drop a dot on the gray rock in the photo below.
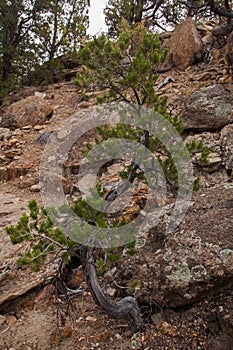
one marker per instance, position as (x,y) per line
(208,108)
(35,188)
(8,121)
(4,133)
(181,268)
(227,146)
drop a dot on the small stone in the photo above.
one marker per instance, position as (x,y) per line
(11,320)
(13,141)
(111,291)
(40,94)
(111,272)
(38,127)
(118,336)
(91,319)
(2,320)
(27,127)
(4,133)
(35,188)
(66,332)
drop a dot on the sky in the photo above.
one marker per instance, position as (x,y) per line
(97,23)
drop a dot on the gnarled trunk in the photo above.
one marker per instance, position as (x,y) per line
(126,308)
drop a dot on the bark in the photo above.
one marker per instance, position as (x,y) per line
(6,66)
(127,308)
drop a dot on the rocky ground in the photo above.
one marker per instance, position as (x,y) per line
(185,280)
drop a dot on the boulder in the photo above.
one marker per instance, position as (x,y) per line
(181,268)
(32,110)
(208,108)
(184,45)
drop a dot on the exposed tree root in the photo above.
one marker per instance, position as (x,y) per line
(126,308)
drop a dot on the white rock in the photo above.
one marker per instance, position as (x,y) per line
(40,94)
(111,291)
(36,188)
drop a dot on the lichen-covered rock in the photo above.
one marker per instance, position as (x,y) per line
(208,108)
(182,268)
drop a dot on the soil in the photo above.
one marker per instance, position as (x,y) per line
(31,323)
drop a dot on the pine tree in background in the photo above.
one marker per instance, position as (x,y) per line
(34,31)
(127,66)
(62,27)
(159,14)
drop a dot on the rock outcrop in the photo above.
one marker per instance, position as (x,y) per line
(208,108)
(195,262)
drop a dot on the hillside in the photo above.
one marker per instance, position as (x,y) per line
(186,279)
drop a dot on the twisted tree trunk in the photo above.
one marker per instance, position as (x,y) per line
(126,308)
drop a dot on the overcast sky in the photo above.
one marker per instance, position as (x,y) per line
(97,22)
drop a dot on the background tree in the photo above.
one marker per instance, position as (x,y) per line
(16,21)
(127,66)
(62,27)
(158,14)
(34,31)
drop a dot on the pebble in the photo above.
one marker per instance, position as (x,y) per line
(27,127)
(118,336)
(38,127)
(4,133)
(111,291)
(91,319)
(40,94)
(13,141)
(11,320)
(35,188)
(2,320)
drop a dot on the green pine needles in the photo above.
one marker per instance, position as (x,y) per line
(127,70)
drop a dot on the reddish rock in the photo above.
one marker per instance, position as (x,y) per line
(29,111)
(184,45)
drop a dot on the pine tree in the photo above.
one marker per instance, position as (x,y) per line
(34,31)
